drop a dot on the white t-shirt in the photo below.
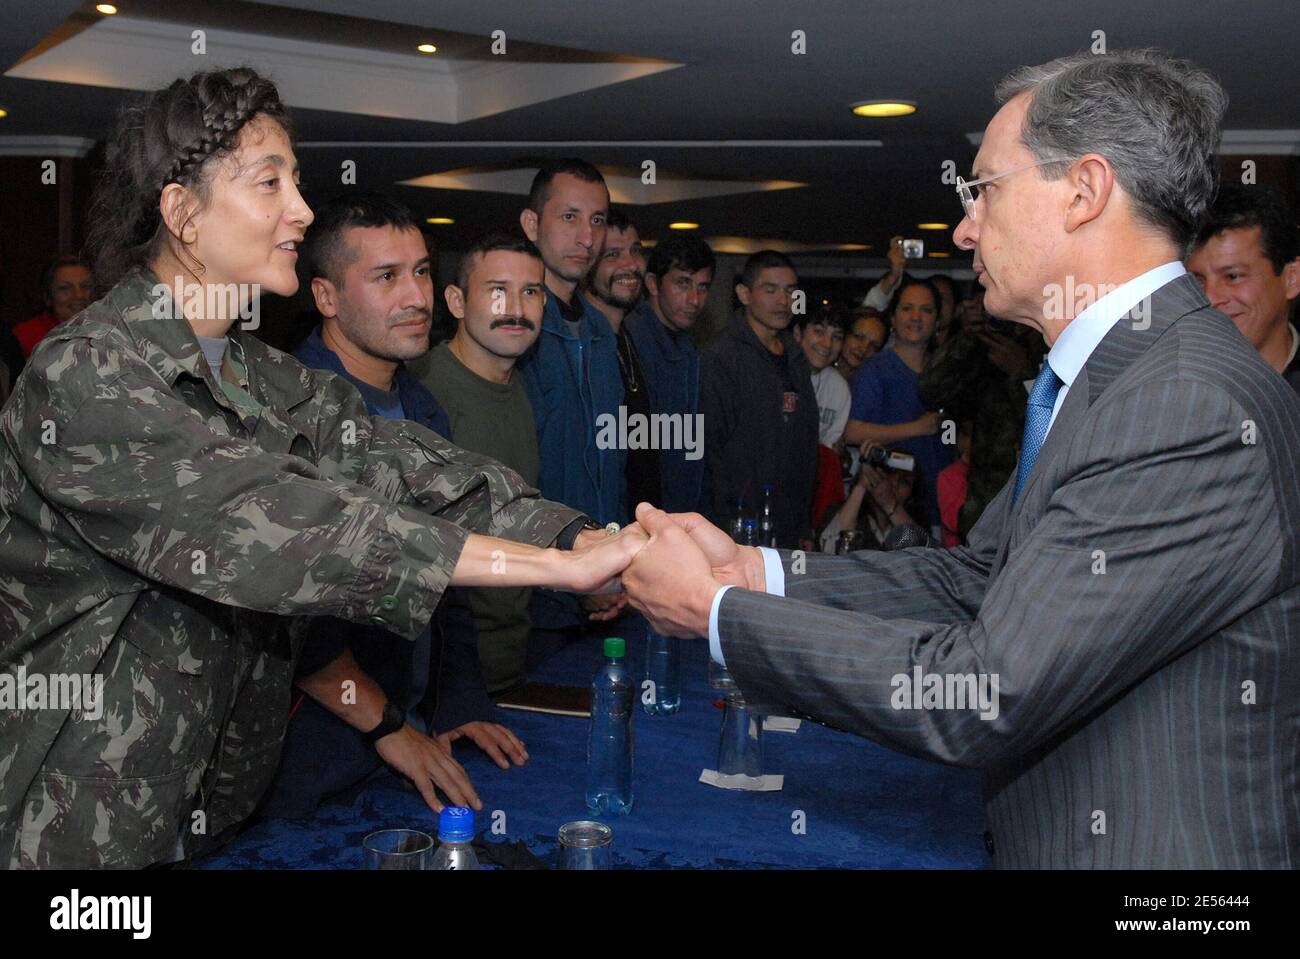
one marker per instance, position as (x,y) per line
(833,403)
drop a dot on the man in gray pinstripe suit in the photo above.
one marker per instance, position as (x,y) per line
(1131,598)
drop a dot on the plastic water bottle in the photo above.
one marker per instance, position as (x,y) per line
(609,744)
(661,695)
(455,833)
(749,536)
(767,519)
(737,529)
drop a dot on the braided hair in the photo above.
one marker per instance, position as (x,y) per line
(169,136)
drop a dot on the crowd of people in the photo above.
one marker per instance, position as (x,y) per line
(827,428)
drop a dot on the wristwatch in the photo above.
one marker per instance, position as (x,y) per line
(393,720)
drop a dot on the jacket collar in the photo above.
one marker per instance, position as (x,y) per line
(1128,339)
(592,322)
(739,329)
(168,344)
(417,402)
(675,345)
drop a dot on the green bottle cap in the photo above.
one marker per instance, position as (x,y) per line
(615,648)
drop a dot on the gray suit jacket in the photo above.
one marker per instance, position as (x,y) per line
(1139,604)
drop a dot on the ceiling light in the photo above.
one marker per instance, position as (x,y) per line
(683,225)
(941,255)
(427,48)
(107,9)
(932,226)
(440,220)
(884,108)
(3,113)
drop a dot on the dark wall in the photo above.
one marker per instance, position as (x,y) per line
(38,222)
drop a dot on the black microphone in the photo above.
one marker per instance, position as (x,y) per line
(905,535)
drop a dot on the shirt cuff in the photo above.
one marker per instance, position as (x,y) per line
(715,641)
(773,571)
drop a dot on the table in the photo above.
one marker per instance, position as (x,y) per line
(862,805)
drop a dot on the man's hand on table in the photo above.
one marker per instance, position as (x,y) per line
(427,763)
(503,746)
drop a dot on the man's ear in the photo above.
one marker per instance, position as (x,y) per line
(455,298)
(325,295)
(528,220)
(742,294)
(177,205)
(1092,179)
(652,284)
(1291,279)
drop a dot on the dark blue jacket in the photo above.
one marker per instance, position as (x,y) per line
(572,380)
(452,651)
(671,365)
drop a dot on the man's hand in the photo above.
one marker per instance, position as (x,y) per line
(602,608)
(426,763)
(493,738)
(896,260)
(670,580)
(732,565)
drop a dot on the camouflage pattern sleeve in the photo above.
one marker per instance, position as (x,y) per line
(152,484)
(407,463)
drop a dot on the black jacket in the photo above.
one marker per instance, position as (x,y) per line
(749,438)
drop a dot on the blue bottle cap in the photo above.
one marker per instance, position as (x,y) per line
(456,823)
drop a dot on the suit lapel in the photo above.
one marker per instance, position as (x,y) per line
(1130,337)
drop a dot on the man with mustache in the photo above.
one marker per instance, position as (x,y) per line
(373,285)
(614,287)
(571,374)
(497,300)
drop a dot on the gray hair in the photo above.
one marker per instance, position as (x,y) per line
(1156,119)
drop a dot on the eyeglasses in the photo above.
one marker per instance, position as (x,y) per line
(970,194)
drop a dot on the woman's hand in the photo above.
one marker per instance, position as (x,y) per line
(927,424)
(878,487)
(596,568)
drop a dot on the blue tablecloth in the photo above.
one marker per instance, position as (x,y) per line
(862,806)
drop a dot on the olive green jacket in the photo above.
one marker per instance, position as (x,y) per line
(166,533)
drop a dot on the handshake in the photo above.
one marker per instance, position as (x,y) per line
(670,565)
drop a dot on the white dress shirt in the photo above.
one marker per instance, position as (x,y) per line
(1068,355)
(1078,340)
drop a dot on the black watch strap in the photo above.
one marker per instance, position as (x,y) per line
(394,719)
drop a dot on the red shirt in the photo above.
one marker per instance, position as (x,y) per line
(30,332)
(952,494)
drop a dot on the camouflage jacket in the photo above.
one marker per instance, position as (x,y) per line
(169,533)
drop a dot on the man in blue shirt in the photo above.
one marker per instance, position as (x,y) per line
(572,373)
(373,696)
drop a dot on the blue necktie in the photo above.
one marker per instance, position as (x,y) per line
(1038,416)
